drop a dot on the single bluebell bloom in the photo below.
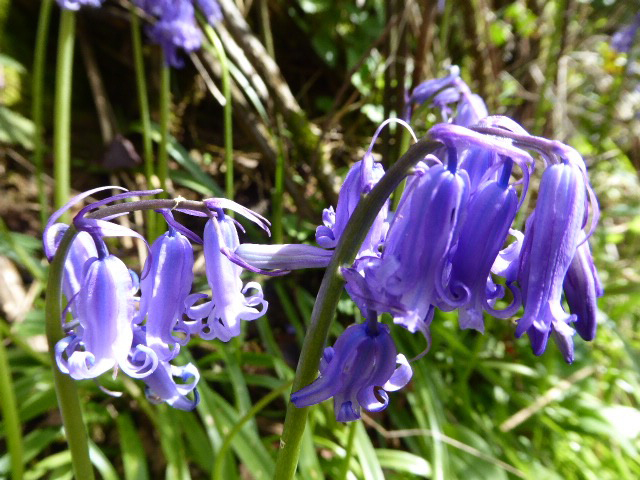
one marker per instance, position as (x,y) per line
(549,247)
(622,39)
(424,228)
(161,386)
(490,214)
(357,372)
(582,288)
(104,308)
(164,291)
(229,304)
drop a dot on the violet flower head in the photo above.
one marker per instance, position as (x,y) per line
(163,387)
(421,234)
(622,39)
(357,372)
(77,4)
(490,213)
(547,254)
(582,288)
(229,303)
(176,29)
(360,180)
(164,291)
(104,307)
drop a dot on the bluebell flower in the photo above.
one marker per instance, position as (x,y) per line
(490,214)
(448,93)
(622,39)
(164,291)
(176,28)
(549,248)
(424,228)
(357,372)
(76,4)
(104,307)
(582,288)
(229,303)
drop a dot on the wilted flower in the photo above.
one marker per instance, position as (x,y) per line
(357,372)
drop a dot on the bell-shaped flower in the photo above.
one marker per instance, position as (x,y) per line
(357,372)
(164,291)
(82,249)
(229,304)
(424,228)
(161,386)
(549,248)
(489,216)
(360,180)
(582,287)
(104,308)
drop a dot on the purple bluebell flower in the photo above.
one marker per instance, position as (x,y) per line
(176,28)
(549,247)
(489,215)
(82,249)
(421,234)
(76,4)
(445,92)
(104,307)
(357,372)
(164,291)
(360,180)
(161,386)
(229,304)
(622,39)
(582,287)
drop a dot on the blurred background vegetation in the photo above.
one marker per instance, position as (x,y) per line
(309,99)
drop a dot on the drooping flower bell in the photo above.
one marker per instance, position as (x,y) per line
(582,288)
(490,214)
(547,254)
(164,291)
(229,303)
(176,27)
(357,372)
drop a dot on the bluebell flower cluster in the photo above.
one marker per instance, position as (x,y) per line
(451,244)
(176,28)
(137,325)
(622,40)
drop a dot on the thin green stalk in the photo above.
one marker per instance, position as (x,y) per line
(278,193)
(347,459)
(165,107)
(228,112)
(145,118)
(62,109)
(37,109)
(328,296)
(66,391)
(13,431)
(224,448)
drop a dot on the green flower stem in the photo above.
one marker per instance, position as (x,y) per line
(224,448)
(12,427)
(228,112)
(62,108)
(66,391)
(37,109)
(165,107)
(349,448)
(145,118)
(328,296)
